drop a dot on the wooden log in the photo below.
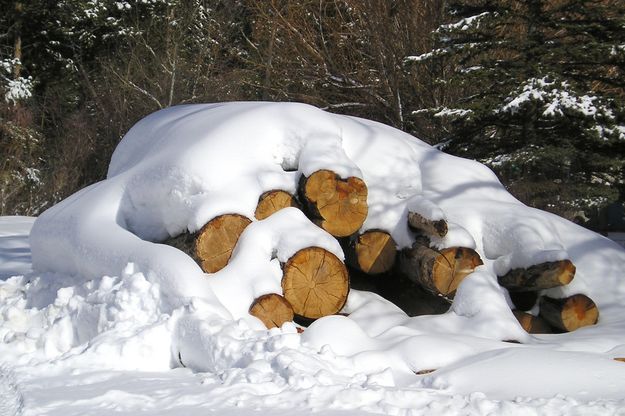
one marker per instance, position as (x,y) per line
(372,252)
(538,277)
(315,282)
(524,301)
(532,324)
(621,359)
(337,205)
(427,226)
(438,271)
(216,240)
(272,309)
(273,201)
(570,313)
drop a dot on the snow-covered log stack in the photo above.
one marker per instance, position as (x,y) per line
(365,202)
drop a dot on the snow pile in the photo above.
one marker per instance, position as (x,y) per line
(106,294)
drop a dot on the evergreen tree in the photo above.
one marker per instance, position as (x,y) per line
(541,97)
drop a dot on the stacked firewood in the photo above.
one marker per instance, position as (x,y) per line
(419,279)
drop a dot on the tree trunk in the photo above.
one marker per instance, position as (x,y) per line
(17,39)
(532,324)
(429,227)
(372,252)
(570,313)
(273,201)
(272,309)
(539,277)
(438,271)
(315,282)
(337,205)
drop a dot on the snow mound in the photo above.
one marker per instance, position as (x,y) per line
(105,293)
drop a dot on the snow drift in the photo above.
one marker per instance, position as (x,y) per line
(104,287)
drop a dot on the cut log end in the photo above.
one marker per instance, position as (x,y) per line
(570,313)
(273,310)
(539,277)
(532,324)
(440,272)
(273,201)
(452,266)
(217,239)
(340,205)
(374,252)
(315,282)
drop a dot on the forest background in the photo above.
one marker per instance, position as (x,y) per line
(534,89)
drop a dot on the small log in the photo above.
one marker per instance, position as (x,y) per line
(272,309)
(524,301)
(427,226)
(273,201)
(337,205)
(372,252)
(621,359)
(315,282)
(438,271)
(538,277)
(532,324)
(570,313)
(216,240)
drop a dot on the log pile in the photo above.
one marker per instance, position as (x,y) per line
(419,279)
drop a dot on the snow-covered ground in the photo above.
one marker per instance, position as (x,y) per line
(107,320)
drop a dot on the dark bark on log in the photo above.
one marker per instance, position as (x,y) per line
(539,277)
(570,313)
(427,226)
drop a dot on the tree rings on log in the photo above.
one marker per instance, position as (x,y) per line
(570,313)
(532,324)
(538,277)
(273,201)
(372,252)
(429,227)
(315,282)
(338,205)
(439,271)
(272,309)
(217,239)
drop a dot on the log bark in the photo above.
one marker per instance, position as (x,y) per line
(372,252)
(337,205)
(524,301)
(216,240)
(315,282)
(272,309)
(570,313)
(532,324)
(427,226)
(273,201)
(438,271)
(538,277)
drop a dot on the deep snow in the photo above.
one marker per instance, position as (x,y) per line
(111,311)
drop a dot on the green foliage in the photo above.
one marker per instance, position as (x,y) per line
(542,94)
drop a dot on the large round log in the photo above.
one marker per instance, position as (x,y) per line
(315,282)
(216,240)
(532,324)
(272,309)
(540,276)
(337,205)
(372,252)
(570,313)
(273,201)
(439,271)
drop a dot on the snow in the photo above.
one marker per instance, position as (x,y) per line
(111,321)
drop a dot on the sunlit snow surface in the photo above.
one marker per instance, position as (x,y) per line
(110,321)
